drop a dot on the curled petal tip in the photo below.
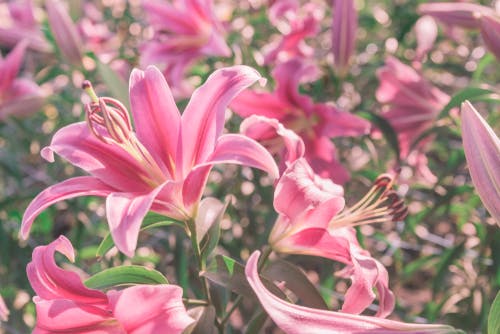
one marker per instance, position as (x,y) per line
(47,154)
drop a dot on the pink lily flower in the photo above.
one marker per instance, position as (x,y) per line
(184,31)
(65,32)
(164,165)
(469,16)
(314,122)
(4,311)
(295,23)
(411,107)
(426,32)
(313,221)
(64,304)
(18,96)
(296,319)
(482,151)
(18,23)
(344,27)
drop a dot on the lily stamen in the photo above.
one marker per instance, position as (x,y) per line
(381,204)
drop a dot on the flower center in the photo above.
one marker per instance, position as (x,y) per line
(381,204)
(109,121)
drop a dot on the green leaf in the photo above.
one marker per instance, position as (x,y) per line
(151,220)
(297,281)
(124,275)
(447,258)
(386,128)
(211,238)
(205,320)
(256,323)
(227,272)
(494,316)
(469,93)
(115,84)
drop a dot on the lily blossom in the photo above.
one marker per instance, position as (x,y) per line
(162,166)
(344,28)
(426,32)
(468,16)
(296,319)
(18,23)
(314,122)
(18,96)
(411,105)
(184,31)
(295,23)
(482,151)
(313,221)
(64,304)
(4,311)
(65,31)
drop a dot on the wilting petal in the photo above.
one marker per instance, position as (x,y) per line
(156,117)
(109,163)
(482,150)
(161,311)
(426,32)
(455,13)
(295,319)
(125,212)
(64,30)
(74,187)
(51,282)
(490,31)
(68,316)
(203,119)
(242,150)
(4,311)
(9,67)
(344,27)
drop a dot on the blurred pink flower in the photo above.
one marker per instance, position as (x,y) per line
(426,32)
(411,107)
(482,150)
(18,96)
(313,220)
(18,23)
(184,31)
(4,311)
(314,122)
(295,23)
(296,319)
(163,166)
(64,304)
(65,32)
(344,28)
(469,16)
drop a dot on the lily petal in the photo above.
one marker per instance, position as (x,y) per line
(68,316)
(125,212)
(165,312)
(203,119)
(109,163)
(51,282)
(460,14)
(482,151)
(156,117)
(490,31)
(295,319)
(4,311)
(11,65)
(74,187)
(242,150)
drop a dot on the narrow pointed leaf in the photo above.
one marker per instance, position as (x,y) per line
(494,316)
(124,275)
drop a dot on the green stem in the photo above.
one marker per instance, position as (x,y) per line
(189,301)
(263,259)
(191,224)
